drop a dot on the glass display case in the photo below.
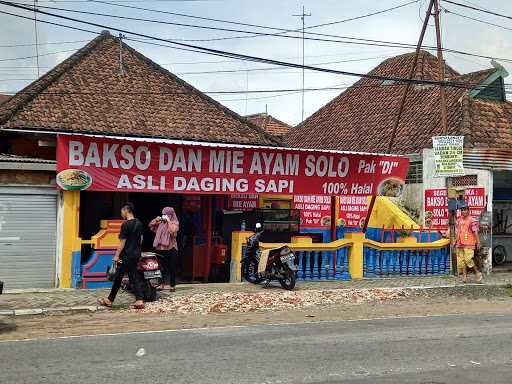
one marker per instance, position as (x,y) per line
(279,225)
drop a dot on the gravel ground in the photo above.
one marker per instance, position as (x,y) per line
(279,300)
(406,303)
(470,292)
(217,302)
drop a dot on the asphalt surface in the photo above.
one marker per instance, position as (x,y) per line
(428,350)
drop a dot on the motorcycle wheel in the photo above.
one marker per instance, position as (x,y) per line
(250,272)
(149,292)
(499,254)
(289,282)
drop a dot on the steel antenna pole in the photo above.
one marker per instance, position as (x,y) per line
(303,19)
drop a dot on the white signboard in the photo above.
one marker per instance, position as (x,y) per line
(448,155)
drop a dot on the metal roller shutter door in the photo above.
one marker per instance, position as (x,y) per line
(27,240)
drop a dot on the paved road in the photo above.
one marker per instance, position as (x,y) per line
(440,349)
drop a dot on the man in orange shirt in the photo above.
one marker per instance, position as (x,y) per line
(467,241)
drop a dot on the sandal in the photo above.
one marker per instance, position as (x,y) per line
(137,306)
(103,302)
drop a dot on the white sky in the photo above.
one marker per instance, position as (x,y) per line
(401,25)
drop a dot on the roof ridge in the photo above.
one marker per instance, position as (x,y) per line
(257,114)
(279,121)
(465,131)
(31,91)
(481,71)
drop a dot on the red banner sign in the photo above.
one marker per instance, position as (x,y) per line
(315,210)
(101,164)
(436,208)
(436,205)
(353,211)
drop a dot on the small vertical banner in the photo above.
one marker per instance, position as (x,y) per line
(448,155)
(353,211)
(315,210)
(436,208)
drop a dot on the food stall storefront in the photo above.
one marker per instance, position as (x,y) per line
(107,103)
(213,187)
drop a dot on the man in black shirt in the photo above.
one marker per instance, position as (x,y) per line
(127,255)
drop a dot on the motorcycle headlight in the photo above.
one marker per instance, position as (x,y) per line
(285,251)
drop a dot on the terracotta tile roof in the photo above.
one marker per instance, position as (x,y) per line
(269,123)
(86,94)
(362,117)
(476,77)
(490,123)
(7,157)
(4,98)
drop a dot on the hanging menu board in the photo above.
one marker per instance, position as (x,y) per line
(243,202)
(448,155)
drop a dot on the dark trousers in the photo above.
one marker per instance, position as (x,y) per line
(129,265)
(169,265)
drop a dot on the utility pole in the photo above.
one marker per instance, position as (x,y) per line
(444,125)
(412,71)
(440,63)
(36,39)
(303,16)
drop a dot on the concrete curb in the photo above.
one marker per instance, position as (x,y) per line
(50,311)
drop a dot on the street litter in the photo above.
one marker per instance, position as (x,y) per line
(141,352)
(217,302)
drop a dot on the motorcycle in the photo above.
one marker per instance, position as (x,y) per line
(264,266)
(149,269)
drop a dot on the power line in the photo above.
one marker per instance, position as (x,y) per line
(447,11)
(283,30)
(124,1)
(34,56)
(217,52)
(231,92)
(216,61)
(352,40)
(222,71)
(271,68)
(358,41)
(5,80)
(251,33)
(256,34)
(39,44)
(478,9)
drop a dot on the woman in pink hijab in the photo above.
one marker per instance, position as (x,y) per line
(166,229)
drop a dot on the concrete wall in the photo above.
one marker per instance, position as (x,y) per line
(485,177)
(26,177)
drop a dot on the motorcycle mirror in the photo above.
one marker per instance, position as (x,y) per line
(258,227)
